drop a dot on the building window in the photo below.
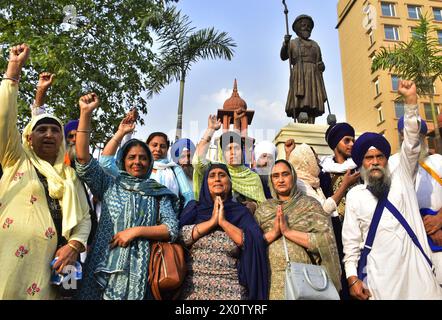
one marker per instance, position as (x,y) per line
(388,9)
(427,111)
(437,12)
(414,12)
(380,115)
(398,109)
(377,89)
(394,82)
(371,37)
(391,32)
(439,36)
(413,32)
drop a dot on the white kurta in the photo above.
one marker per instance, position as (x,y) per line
(396,269)
(429,195)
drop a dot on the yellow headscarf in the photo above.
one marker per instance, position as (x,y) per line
(63,183)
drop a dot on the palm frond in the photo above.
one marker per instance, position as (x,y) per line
(419,60)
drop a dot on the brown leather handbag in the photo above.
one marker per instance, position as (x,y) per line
(167,270)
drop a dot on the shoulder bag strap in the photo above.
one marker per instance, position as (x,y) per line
(287,258)
(362,272)
(407,228)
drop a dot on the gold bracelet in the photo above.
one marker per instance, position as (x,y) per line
(85,131)
(73,247)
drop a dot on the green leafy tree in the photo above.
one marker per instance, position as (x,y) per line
(95,45)
(182,46)
(419,60)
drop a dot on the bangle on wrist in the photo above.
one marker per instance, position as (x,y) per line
(85,131)
(353,283)
(5,77)
(207,138)
(118,141)
(74,247)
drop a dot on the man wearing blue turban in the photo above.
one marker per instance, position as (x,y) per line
(336,178)
(382,217)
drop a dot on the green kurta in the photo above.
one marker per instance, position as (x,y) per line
(303,214)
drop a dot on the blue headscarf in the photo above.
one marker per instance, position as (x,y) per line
(252,266)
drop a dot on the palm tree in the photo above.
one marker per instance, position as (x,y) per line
(181,46)
(419,60)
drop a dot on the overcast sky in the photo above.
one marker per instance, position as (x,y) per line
(258,28)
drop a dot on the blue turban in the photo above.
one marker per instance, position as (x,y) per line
(71,125)
(367,140)
(423,130)
(336,132)
(178,147)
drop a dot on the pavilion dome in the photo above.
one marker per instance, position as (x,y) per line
(235,101)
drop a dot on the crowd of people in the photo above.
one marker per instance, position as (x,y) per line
(371,220)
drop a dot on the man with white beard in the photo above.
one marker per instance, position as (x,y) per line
(70,134)
(428,186)
(382,219)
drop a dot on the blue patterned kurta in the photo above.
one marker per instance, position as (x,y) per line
(121,273)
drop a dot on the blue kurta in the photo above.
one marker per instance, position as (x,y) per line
(122,273)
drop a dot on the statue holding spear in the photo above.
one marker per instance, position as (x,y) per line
(307,95)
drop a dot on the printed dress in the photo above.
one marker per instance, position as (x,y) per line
(212,268)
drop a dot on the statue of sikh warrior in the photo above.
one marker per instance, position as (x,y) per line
(307,90)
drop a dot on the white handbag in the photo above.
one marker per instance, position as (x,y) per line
(307,281)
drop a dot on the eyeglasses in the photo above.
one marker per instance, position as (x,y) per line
(349,140)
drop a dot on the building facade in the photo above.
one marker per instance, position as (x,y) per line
(364,26)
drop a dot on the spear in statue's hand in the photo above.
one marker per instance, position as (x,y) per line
(287,35)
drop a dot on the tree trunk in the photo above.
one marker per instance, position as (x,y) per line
(437,140)
(179,123)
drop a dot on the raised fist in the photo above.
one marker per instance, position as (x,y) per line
(45,80)
(89,102)
(17,58)
(131,116)
(408,90)
(289,146)
(19,54)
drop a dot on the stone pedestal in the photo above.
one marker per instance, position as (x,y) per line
(312,134)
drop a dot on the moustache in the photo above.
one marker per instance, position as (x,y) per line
(372,168)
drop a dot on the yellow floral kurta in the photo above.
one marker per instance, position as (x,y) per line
(28,238)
